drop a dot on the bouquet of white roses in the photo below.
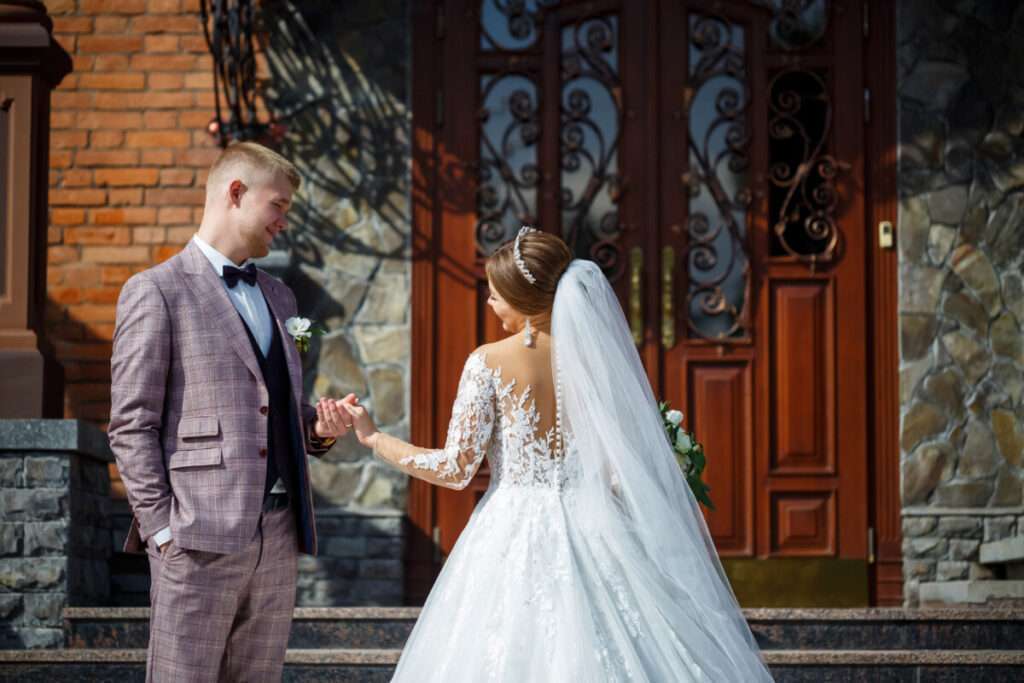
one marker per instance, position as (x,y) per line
(689,453)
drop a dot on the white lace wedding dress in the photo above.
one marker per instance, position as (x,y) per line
(587,559)
(515,602)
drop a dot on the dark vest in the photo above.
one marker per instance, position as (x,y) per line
(281,460)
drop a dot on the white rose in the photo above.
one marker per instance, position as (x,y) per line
(298,327)
(683,441)
(674,416)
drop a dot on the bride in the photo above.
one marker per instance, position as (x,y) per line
(587,559)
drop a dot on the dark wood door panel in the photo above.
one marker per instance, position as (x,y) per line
(802,410)
(720,411)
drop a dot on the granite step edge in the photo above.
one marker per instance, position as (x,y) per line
(327,657)
(873,614)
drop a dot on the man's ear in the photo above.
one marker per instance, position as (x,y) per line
(235,191)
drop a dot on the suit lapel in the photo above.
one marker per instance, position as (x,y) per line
(217,307)
(275,302)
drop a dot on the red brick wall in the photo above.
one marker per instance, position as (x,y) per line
(128,159)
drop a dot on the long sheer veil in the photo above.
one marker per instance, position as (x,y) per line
(665,602)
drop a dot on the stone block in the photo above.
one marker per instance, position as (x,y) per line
(10,605)
(920,570)
(960,527)
(35,575)
(45,609)
(375,592)
(951,571)
(55,435)
(46,539)
(382,526)
(938,594)
(47,471)
(11,539)
(345,547)
(998,527)
(918,526)
(380,569)
(979,572)
(1004,551)
(31,638)
(33,504)
(927,547)
(11,471)
(383,547)
(966,494)
(963,549)
(923,471)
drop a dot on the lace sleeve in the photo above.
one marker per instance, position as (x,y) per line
(469,434)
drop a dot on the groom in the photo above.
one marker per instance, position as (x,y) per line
(210,433)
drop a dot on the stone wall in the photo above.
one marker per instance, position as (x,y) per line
(961,239)
(55,539)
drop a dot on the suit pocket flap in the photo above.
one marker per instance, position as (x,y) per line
(192,427)
(200,457)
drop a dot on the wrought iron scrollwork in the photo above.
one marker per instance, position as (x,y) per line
(804,196)
(796,24)
(717,257)
(508,174)
(511,24)
(591,124)
(228,27)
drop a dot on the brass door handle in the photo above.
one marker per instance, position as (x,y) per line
(668,316)
(636,304)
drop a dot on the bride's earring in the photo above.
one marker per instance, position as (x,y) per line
(528,337)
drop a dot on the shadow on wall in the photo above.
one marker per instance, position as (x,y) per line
(961,108)
(338,79)
(340,85)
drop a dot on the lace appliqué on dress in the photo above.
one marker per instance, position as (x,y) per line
(469,431)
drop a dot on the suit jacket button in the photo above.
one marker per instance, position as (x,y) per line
(263,410)
(263,452)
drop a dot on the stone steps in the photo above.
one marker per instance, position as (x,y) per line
(370,666)
(361,628)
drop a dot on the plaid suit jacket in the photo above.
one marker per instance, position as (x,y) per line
(187,419)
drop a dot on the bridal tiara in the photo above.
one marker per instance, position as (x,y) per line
(520,263)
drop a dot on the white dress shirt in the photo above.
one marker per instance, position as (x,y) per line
(248,299)
(250,304)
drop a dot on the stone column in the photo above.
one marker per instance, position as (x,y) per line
(54,527)
(31,65)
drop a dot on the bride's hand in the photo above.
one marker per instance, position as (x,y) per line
(362,423)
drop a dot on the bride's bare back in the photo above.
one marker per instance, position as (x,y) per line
(530,370)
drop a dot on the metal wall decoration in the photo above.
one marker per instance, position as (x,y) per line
(591,122)
(510,24)
(228,27)
(804,197)
(508,175)
(717,252)
(796,24)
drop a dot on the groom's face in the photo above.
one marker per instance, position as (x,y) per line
(262,214)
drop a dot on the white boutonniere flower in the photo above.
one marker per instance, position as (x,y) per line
(302,330)
(674,416)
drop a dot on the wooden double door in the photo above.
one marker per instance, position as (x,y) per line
(709,156)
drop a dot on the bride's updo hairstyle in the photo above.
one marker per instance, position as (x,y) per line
(545,256)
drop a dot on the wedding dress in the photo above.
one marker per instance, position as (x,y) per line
(587,558)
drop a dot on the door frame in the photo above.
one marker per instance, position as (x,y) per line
(428,96)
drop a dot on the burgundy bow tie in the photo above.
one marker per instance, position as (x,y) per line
(232,275)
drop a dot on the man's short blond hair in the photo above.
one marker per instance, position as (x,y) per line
(256,156)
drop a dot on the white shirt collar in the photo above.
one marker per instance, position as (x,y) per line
(216,259)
